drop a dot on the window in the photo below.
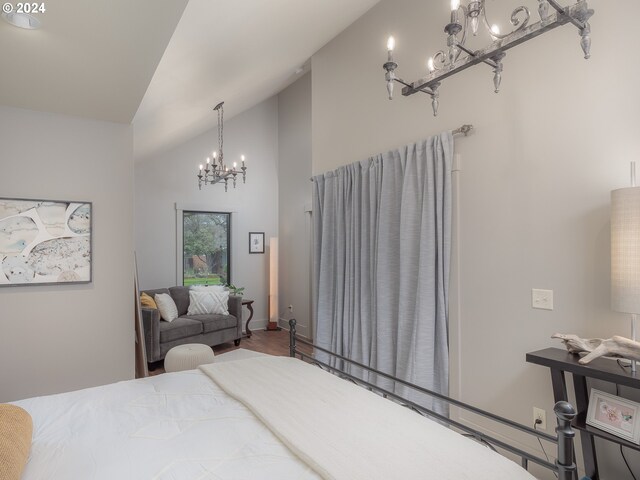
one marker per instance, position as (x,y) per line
(206,240)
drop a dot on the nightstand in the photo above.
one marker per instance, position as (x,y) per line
(560,361)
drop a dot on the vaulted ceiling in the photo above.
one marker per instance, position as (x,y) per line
(164,65)
(91,59)
(240,52)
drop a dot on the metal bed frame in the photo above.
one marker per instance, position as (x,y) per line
(564,467)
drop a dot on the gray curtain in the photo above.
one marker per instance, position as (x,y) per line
(382,242)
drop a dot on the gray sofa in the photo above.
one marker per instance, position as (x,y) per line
(210,329)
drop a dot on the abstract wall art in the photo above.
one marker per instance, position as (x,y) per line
(44,242)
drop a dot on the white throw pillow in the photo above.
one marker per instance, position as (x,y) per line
(206,288)
(200,302)
(167,307)
(212,300)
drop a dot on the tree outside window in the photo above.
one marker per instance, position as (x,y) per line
(207,252)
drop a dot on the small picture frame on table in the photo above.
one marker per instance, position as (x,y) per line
(256,242)
(616,415)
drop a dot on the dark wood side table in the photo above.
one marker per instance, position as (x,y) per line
(560,361)
(249,304)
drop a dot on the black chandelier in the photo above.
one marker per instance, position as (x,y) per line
(467,16)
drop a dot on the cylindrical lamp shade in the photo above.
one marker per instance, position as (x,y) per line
(625,250)
(273,280)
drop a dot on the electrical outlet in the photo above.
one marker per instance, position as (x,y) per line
(540,414)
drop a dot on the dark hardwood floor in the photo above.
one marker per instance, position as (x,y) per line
(272,343)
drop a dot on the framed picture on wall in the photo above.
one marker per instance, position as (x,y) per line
(45,242)
(615,415)
(256,242)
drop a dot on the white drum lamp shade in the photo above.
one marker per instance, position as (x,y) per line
(625,250)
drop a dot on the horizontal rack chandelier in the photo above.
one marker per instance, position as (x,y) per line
(215,170)
(447,63)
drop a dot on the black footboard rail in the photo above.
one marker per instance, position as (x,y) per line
(564,466)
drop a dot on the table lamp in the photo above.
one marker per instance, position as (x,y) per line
(625,252)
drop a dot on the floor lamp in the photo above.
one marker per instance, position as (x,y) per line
(625,252)
(273,284)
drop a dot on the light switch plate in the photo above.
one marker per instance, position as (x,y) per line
(542,299)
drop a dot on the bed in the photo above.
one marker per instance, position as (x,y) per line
(250,416)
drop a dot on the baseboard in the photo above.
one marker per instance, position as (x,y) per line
(255,324)
(301,330)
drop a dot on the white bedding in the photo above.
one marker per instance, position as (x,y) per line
(183,426)
(345,432)
(176,426)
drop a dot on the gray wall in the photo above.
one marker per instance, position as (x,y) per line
(59,338)
(294,202)
(170,178)
(534,183)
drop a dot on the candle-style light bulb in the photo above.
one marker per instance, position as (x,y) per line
(215,155)
(391,44)
(208,160)
(495,29)
(430,64)
(200,167)
(455,5)
(234,165)
(242,158)
(474,25)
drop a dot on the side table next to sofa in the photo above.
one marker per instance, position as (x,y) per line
(249,305)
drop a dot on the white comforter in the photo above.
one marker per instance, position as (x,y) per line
(176,426)
(183,426)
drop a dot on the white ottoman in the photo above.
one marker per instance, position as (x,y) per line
(187,357)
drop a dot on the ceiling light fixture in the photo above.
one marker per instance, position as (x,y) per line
(22,20)
(216,171)
(447,63)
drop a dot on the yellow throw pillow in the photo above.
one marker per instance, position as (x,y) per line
(16,428)
(147,301)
